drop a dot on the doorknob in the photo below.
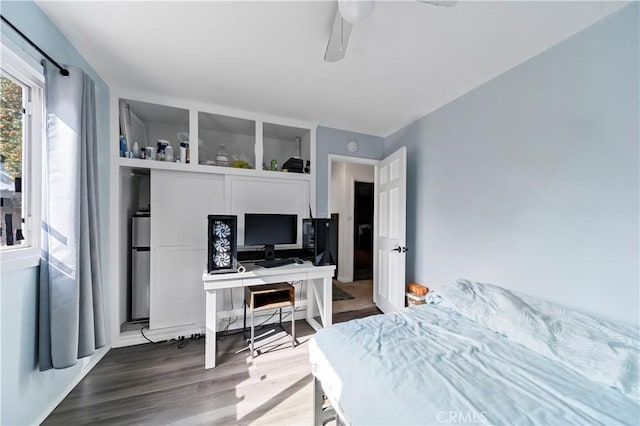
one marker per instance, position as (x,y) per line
(400,249)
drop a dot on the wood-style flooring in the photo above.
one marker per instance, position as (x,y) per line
(162,384)
(362,292)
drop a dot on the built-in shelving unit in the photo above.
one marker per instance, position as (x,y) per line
(181,194)
(224,141)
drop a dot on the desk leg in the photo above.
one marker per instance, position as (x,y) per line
(323,301)
(311,303)
(211,316)
(328,300)
(313,300)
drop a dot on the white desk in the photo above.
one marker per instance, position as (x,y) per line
(318,279)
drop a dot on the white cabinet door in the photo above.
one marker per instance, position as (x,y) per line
(177,296)
(389,268)
(253,195)
(180,203)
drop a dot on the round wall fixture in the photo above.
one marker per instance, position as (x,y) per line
(354,11)
(352,146)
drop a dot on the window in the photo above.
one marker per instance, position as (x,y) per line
(21,138)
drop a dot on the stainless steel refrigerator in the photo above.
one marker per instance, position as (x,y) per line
(140,266)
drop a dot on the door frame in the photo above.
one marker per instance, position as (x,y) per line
(336,216)
(356,160)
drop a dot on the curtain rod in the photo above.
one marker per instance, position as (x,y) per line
(63,71)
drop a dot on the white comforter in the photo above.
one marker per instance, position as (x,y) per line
(431,365)
(604,351)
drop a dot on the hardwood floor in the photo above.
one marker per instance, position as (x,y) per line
(162,384)
(362,292)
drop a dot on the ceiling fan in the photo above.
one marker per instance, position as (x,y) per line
(349,13)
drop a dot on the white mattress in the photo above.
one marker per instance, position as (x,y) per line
(431,365)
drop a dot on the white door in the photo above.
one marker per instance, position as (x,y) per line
(180,203)
(390,249)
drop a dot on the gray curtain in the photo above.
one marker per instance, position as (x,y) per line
(71,317)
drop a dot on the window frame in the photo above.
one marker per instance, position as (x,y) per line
(27,255)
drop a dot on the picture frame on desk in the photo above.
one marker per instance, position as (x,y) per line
(222,246)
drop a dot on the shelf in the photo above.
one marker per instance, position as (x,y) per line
(147,123)
(269,296)
(283,142)
(189,167)
(235,136)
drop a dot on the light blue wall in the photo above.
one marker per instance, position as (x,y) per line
(531,180)
(334,141)
(27,394)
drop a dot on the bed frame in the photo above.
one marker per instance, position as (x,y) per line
(323,411)
(580,395)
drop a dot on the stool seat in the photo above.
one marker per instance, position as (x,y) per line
(269,296)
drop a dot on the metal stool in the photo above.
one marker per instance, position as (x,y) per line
(269,296)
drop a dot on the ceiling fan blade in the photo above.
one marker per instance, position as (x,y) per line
(338,40)
(446,3)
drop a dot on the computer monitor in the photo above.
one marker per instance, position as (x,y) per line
(262,229)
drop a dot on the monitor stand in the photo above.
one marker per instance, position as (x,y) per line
(269,252)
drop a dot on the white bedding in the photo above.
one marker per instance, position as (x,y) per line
(431,365)
(604,351)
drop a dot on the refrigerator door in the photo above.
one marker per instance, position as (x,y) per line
(140,271)
(140,231)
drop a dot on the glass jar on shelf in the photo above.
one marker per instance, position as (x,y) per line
(222,157)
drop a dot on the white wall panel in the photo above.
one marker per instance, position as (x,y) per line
(255,195)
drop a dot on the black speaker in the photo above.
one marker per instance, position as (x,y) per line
(320,240)
(222,253)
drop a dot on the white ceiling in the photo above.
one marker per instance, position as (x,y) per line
(404,61)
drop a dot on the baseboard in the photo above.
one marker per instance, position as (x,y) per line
(84,370)
(132,338)
(345,279)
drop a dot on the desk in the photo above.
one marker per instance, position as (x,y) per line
(318,279)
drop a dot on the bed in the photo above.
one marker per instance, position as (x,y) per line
(478,354)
